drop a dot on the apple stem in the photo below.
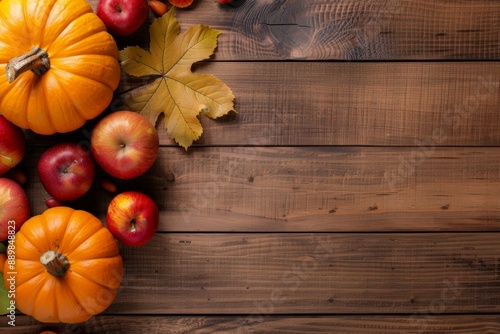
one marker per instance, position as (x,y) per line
(133,227)
(6,158)
(36,60)
(56,263)
(74,162)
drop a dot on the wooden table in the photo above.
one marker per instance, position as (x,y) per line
(357,189)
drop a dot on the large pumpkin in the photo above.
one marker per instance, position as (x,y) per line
(58,64)
(67,266)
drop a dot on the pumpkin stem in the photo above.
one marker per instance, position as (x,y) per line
(36,60)
(56,263)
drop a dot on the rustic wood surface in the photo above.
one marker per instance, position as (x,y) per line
(357,189)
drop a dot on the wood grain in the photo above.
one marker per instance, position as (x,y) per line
(309,273)
(427,323)
(347,30)
(322,189)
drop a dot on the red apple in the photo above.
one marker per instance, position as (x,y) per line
(12,145)
(14,207)
(132,218)
(125,144)
(122,17)
(66,171)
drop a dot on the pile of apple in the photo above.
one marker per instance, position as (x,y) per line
(123,143)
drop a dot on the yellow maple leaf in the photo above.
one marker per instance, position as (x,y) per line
(176,91)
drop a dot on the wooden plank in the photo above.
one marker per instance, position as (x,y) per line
(361,104)
(321,189)
(308,273)
(347,30)
(430,323)
(325,103)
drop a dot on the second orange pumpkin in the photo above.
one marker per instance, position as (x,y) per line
(67,266)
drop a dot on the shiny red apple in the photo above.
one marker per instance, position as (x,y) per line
(125,144)
(66,170)
(122,17)
(14,207)
(132,218)
(12,145)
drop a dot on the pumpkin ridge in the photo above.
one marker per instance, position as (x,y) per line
(32,87)
(45,40)
(73,218)
(49,291)
(76,273)
(27,243)
(69,288)
(11,43)
(49,234)
(77,238)
(34,286)
(104,82)
(77,268)
(51,117)
(80,252)
(37,101)
(34,271)
(8,93)
(78,108)
(31,241)
(56,305)
(85,305)
(62,237)
(62,37)
(92,45)
(48,6)
(11,27)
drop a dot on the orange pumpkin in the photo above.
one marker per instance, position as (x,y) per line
(58,64)
(67,266)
